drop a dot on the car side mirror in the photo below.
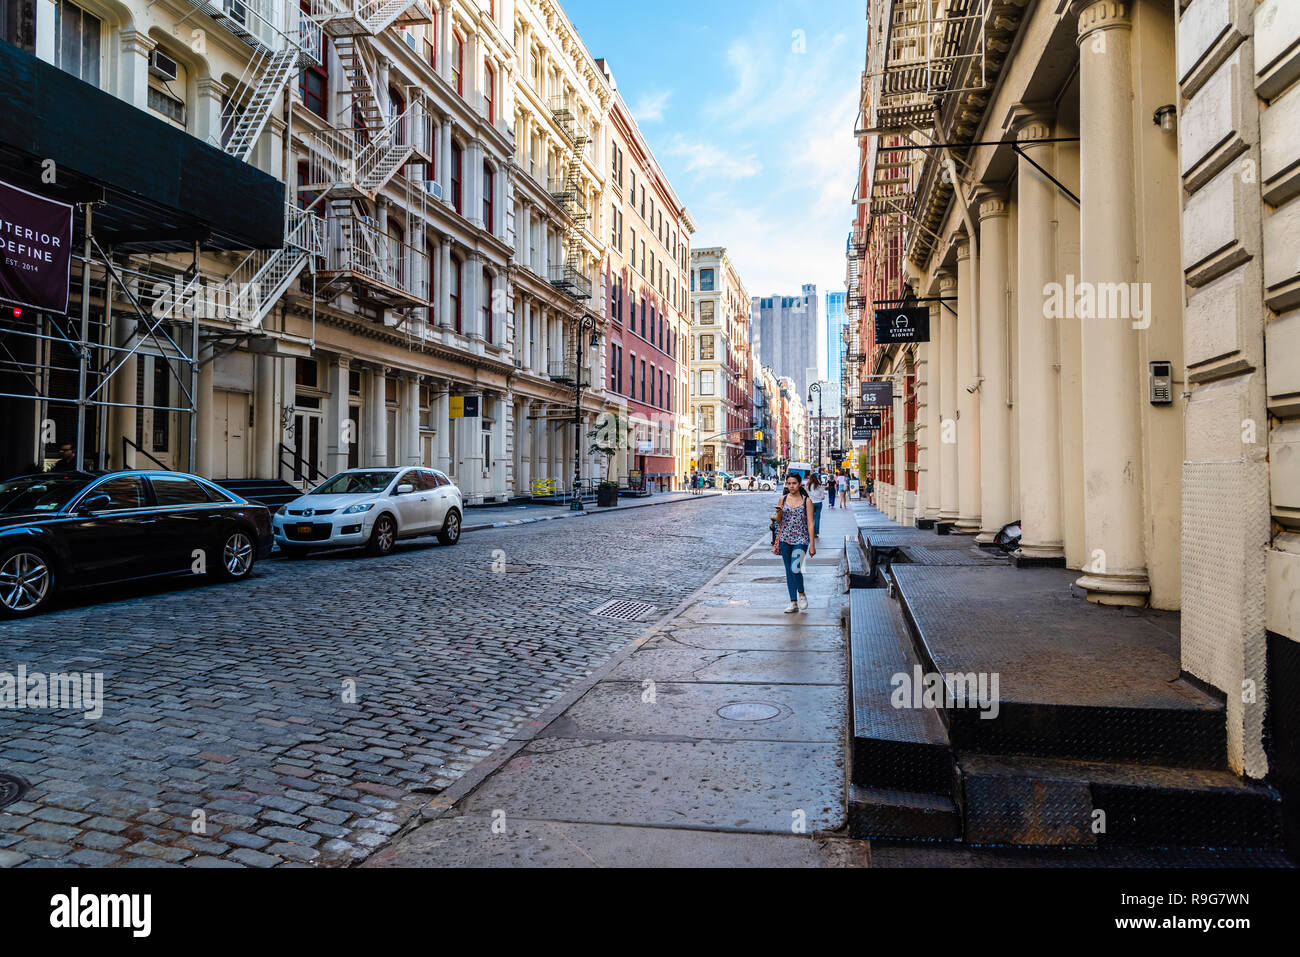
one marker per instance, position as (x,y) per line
(404,489)
(94,504)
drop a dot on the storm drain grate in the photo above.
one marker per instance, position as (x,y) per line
(624,609)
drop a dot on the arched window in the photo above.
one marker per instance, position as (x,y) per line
(457,155)
(489,92)
(458,62)
(489,193)
(454,280)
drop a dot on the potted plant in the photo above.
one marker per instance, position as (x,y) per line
(607,494)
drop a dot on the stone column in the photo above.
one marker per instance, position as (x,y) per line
(901,386)
(339,432)
(994,393)
(411,425)
(947,398)
(207,111)
(122,417)
(968,407)
(524,442)
(471,296)
(444,284)
(442,426)
(377,403)
(1038,376)
(133,75)
(1112,448)
(203,422)
(266,418)
(928,432)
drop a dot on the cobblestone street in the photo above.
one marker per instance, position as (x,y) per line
(229,735)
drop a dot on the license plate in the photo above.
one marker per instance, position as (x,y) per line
(304,529)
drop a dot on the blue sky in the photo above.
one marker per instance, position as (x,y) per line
(749,109)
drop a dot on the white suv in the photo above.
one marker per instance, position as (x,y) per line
(371,507)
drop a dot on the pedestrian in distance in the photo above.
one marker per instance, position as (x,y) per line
(830,490)
(842,490)
(794,540)
(816,492)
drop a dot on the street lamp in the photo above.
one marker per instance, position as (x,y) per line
(588,319)
(817,387)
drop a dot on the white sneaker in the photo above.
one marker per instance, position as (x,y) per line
(803,602)
(792,609)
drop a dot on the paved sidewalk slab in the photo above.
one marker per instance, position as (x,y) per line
(741,732)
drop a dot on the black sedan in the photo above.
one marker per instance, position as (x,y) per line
(61,531)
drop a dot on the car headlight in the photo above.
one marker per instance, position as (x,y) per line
(358,509)
(282,510)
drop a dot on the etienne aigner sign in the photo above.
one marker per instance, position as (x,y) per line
(35,249)
(903,325)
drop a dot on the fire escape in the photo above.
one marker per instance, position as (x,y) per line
(348,166)
(566,187)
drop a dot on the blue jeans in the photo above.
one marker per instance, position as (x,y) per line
(831,494)
(817,518)
(793,558)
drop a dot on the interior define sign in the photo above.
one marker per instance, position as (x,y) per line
(903,325)
(877,393)
(35,249)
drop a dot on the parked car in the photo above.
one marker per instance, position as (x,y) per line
(61,531)
(766,485)
(373,508)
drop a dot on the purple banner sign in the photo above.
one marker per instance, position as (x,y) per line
(35,249)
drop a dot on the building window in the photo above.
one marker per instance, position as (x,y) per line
(643,392)
(643,317)
(489,191)
(487,307)
(706,312)
(707,421)
(706,280)
(706,347)
(458,63)
(490,93)
(77,47)
(168,105)
(457,154)
(706,382)
(455,292)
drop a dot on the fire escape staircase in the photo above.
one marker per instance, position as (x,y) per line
(568,276)
(278,55)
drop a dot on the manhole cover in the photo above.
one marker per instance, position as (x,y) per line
(748,711)
(623,609)
(12,787)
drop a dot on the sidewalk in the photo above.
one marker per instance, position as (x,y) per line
(715,739)
(477,519)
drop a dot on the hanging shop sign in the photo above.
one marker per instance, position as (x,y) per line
(866,420)
(861,435)
(877,393)
(35,249)
(903,325)
(464,407)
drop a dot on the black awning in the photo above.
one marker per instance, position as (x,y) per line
(163,188)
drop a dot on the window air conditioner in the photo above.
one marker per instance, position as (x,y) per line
(162,66)
(434,187)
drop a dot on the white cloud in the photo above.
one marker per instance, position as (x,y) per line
(650,107)
(707,159)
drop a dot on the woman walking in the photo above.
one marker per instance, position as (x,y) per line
(816,492)
(794,543)
(842,490)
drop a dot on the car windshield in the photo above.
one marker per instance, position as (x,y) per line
(39,493)
(355,483)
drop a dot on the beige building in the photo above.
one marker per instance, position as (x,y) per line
(1112,281)
(719,345)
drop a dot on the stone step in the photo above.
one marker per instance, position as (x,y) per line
(1042,802)
(876,813)
(859,573)
(893,748)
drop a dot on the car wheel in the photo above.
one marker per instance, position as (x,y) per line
(26,582)
(383,536)
(450,533)
(236,555)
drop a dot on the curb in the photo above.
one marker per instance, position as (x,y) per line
(585,513)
